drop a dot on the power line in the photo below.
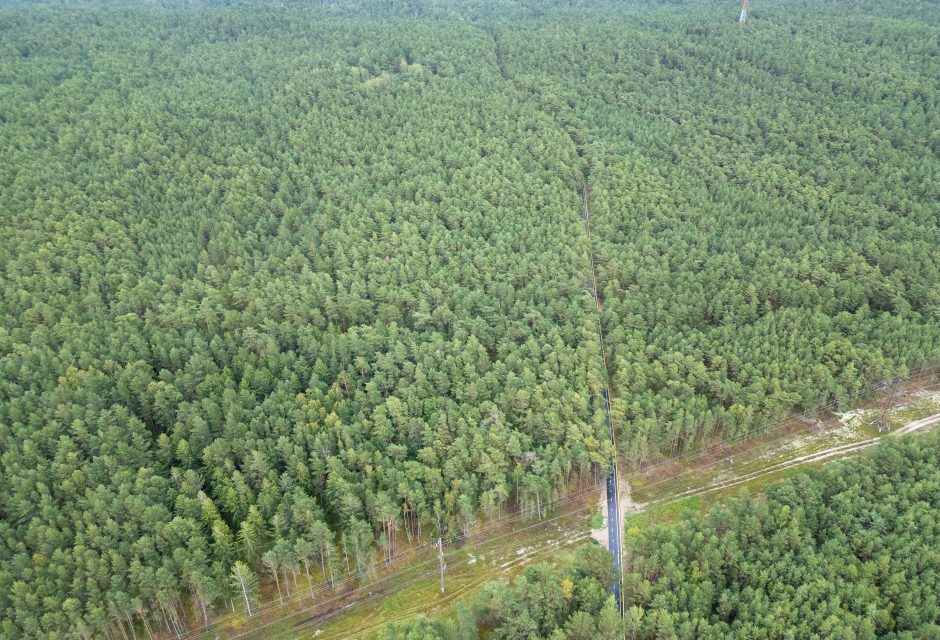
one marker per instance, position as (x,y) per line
(429,574)
(355,575)
(894,384)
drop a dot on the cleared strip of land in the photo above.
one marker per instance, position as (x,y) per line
(658,495)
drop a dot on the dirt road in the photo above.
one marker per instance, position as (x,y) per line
(819,456)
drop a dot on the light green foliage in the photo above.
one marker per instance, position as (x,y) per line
(566,599)
(284,288)
(244,585)
(335,301)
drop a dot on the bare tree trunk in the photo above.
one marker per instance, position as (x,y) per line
(130,623)
(143,618)
(277,581)
(286,582)
(120,627)
(307,573)
(245,594)
(201,605)
(174,616)
(180,609)
(388,540)
(165,619)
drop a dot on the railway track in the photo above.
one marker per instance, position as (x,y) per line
(614,530)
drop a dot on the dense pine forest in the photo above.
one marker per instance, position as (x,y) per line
(849,551)
(287,288)
(756,251)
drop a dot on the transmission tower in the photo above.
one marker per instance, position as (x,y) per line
(743,17)
(882,421)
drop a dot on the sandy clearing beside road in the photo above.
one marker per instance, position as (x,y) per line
(819,456)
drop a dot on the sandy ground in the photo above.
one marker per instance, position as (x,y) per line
(600,535)
(819,456)
(627,505)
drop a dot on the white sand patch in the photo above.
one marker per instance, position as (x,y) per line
(627,505)
(917,425)
(853,419)
(796,443)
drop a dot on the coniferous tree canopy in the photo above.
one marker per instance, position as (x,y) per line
(851,550)
(284,287)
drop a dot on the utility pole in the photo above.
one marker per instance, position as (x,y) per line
(743,13)
(440,557)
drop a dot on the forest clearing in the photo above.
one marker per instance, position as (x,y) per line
(661,497)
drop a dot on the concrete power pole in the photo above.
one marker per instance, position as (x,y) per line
(440,557)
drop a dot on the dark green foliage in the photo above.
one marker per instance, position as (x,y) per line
(288,287)
(264,274)
(546,599)
(765,213)
(848,551)
(420,628)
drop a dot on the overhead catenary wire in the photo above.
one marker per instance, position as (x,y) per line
(573,537)
(311,592)
(430,574)
(345,579)
(613,485)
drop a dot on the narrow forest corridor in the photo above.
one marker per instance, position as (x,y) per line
(614,543)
